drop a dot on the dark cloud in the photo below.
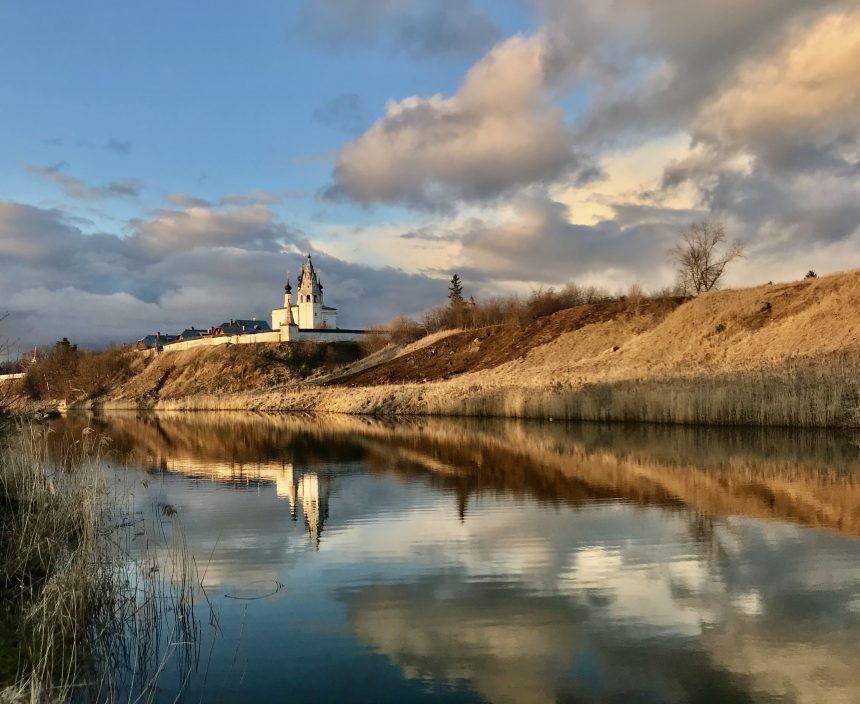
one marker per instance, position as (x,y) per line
(80,190)
(540,244)
(657,62)
(343,112)
(118,146)
(422,28)
(174,269)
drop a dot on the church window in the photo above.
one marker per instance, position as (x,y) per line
(315,298)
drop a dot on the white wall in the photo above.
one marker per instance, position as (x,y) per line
(285,334)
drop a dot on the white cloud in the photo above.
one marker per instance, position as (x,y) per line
(496,133)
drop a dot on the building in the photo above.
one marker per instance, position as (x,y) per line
(306,318)
(241,327)
(155,341)
(308,312)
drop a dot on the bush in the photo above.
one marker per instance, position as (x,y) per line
(63,372)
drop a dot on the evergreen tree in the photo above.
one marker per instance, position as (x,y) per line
(455,295)
(456,305)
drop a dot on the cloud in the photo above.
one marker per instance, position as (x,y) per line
(184,200)
(78,189)
(534,242)
(118,146)
(421,28)
(498,132)
(176,268)
(259,197)
(804,96)
(651,65)
(343,112)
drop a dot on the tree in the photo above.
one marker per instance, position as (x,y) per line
(455,295)
(811,275)
(702,256)
(456,304)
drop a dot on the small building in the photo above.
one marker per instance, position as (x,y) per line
(241,327)
(193,333)
(155,341)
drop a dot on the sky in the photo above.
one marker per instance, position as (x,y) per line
(168,164)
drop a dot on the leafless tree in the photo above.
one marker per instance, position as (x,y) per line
(702,255)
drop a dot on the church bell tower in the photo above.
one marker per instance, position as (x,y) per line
(309,298)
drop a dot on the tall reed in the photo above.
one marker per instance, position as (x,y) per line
(93,618)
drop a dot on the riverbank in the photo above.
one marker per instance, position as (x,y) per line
(779,354)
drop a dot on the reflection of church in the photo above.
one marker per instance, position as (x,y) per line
(309,489)
(313,491)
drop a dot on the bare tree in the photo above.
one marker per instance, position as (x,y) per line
(702,255)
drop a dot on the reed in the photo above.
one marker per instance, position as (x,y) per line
(87,616)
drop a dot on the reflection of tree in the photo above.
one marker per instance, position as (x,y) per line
(702,528)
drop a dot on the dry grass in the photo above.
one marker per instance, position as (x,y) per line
(51,519)
(82,610)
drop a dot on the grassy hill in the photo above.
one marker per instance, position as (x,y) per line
(779,354)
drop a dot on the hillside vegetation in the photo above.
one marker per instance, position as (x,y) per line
(779,354)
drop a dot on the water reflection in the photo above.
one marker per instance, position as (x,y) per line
(507,561)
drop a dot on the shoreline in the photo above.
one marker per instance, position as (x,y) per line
(803,397)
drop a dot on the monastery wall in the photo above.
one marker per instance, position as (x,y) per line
(284,335)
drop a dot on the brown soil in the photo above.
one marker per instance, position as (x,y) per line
(485,348)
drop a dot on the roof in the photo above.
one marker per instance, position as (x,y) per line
(328,308)
(237,327)
(192,332)
(254,324)
(149,341)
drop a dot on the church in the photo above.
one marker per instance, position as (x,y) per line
(308,312)
(309,318)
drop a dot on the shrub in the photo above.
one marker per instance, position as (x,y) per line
(63,372)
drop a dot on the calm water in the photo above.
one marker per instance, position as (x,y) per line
(349,560)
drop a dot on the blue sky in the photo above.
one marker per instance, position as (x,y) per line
(162,164)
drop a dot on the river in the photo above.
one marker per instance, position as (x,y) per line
(348,559)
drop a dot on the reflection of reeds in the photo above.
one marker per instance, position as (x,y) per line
(94,615)
(809,476)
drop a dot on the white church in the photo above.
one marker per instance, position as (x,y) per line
(308,312)
(308,318)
